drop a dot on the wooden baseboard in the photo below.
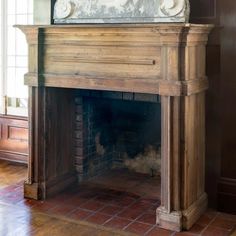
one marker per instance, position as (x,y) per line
(194,212)
(14,139)
(227,195)
(14,157)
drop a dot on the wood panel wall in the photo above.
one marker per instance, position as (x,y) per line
(221,100)
(227,185)
(207,11)
(14,139)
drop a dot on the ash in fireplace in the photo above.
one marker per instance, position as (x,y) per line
(148,162)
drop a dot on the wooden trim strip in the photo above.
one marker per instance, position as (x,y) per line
(195,86)
(193,213)
(133,85)
(101,60)
(227,195)
(14,157)
(227,186)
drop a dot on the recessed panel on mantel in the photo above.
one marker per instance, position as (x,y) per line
(104,61)
(103,52)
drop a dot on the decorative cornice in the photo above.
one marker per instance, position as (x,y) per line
(121,11)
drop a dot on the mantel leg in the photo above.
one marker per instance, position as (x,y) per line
(51,128)
(36,130)
(169,215)
(183,198)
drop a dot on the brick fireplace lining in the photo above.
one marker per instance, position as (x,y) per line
(113,131)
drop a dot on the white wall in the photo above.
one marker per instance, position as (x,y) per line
(42,12)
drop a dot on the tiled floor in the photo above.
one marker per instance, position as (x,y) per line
(139,184)
(99,207)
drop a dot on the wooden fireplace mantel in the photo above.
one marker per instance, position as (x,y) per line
(143,58)
(164,59)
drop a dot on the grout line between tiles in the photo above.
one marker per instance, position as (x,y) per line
(207,226)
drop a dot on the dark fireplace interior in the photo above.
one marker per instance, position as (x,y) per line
(118,132)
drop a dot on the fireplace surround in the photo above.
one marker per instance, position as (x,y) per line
(159,61)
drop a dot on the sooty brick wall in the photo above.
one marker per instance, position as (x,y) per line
(111,126)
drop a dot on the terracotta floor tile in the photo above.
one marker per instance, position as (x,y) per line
(98,218)
(60,198)
(62,209)
(132,195)
(130,214)
(204,220)
(76,201)
(227,216)
(153,201)
(92,205)
(207,218)
(105,198)
(124,201)
(215,231)
(186,233)
(160,232)
(139,205)
(117,223)
(111,210)
(80,214)
(223,223)
(138,228)
(147,218)
(89,193)
(197,229)
(115,193)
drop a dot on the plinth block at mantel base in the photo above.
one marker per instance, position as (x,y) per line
(160,59)
(182,219)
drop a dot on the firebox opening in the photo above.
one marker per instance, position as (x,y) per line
(118,136)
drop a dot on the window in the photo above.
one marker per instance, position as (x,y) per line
(13,53)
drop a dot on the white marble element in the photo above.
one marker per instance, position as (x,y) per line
(121,11)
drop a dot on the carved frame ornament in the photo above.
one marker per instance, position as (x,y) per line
(121,11)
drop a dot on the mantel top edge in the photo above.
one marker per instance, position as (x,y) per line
(118,25)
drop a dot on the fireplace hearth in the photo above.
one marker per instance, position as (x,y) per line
(106,96)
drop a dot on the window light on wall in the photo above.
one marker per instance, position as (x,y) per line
(13,53)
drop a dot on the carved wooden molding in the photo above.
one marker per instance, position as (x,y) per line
(121,11)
